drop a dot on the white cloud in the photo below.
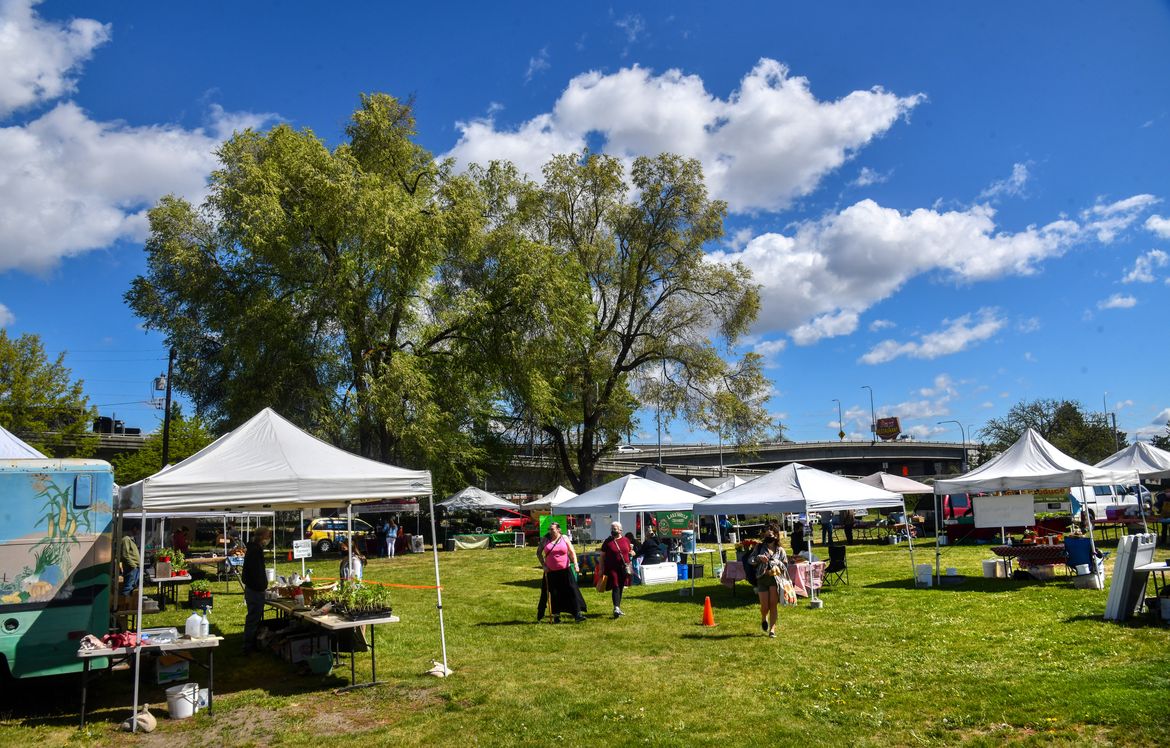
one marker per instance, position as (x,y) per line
(1032,324)
(1117,301)
(1012,186)
(986,404)
(1122,405)
(830,270)
(868,176)
(943,385)
(632,26)
(1159,225)
(767,143)
(6,316)
(769,348)
(1029,357)
(38,57)
(881,324)
(956,335)
(536,64)
(1143,267)
(1156,427)
(1107,220)
(825,326)
(71,184)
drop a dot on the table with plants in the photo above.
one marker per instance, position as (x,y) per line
(169,571)
(345,607)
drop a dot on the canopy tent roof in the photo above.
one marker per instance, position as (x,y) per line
(895,483)
(551,499)
(12,447)
(656,475)
(798,488)
(1146,459)
(268,462)
(630,493)
(1031,462)
(725,483)
(475,499)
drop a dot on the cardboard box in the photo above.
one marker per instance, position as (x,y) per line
(300,648)
(162,569)
(171,669)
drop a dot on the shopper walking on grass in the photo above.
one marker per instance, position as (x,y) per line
(255,579)
(771,565)
(615,555)
(560,566)
(391,536)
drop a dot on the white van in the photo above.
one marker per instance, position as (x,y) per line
(1098,499)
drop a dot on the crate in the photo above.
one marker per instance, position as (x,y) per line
(171,669)
(300,648)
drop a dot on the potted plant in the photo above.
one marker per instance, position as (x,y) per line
(178,562)
(358,601)
(199,594)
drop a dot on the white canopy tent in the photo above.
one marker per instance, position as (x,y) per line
(630,494)
(801,489)
(472,498)
(551,500)
(1146,460)
(268,463)
(721,484)
(12,447)
(895,483)
(1031,463)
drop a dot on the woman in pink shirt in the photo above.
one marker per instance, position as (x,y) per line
(560,570)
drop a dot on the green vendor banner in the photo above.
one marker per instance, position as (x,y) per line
(548,519)
(675,522)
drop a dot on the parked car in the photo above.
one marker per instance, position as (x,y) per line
(624,449)
(957,505)
(327,532)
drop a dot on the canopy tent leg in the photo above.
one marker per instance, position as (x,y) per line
(910,541)
(349,540)
(438,588)
(1141,504)
(937,546)
(273,542)
(301,530)
(227,567)
(138,622)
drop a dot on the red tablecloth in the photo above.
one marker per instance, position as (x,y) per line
(1032,555)
(797,572)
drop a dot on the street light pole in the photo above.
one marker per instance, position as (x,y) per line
(964,435)
(840,421)
(872,416)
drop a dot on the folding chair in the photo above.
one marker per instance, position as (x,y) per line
(1080,551)
(837,566)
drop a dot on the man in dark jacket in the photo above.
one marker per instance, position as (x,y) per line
(255,584)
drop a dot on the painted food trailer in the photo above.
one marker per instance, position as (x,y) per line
(56,518)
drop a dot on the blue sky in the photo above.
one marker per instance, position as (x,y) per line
(961,205)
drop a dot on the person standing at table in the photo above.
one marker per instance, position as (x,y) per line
(130,559)
(771,565)
(826,528)
(391,536)
(560,564)
(616,554)
(848,519)
(255,578)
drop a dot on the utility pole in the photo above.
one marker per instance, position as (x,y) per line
(840,421)
(166,447)
(963,463)
(872,416)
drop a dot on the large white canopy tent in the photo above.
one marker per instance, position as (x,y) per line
(1031,463)
(630,494)
(12,447)
(268,463)
(895,483)
(801,489)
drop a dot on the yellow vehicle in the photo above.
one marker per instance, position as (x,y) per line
(328,532)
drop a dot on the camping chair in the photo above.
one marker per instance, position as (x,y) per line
(1080,551)
(837,566)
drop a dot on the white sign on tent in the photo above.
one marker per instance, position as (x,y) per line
(1016,510)
(302,549)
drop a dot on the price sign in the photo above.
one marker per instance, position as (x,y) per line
(302,549)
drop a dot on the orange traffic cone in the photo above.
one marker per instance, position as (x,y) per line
(708,615)
(290,558)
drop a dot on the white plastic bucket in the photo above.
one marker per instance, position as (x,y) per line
(271,575)
(1082,570)
(181,700)
(992,568)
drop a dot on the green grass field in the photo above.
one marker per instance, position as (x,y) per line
(986,662)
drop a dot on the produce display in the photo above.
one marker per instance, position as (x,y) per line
(357,601)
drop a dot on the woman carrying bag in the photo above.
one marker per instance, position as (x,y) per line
(616,555)
(771,570)
(560,565)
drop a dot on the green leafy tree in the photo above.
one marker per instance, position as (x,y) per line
(312,280)
(39,400)
(1085,435)
(188,436)
(1162,441)
(634,297)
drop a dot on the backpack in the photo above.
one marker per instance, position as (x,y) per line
(750,572)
